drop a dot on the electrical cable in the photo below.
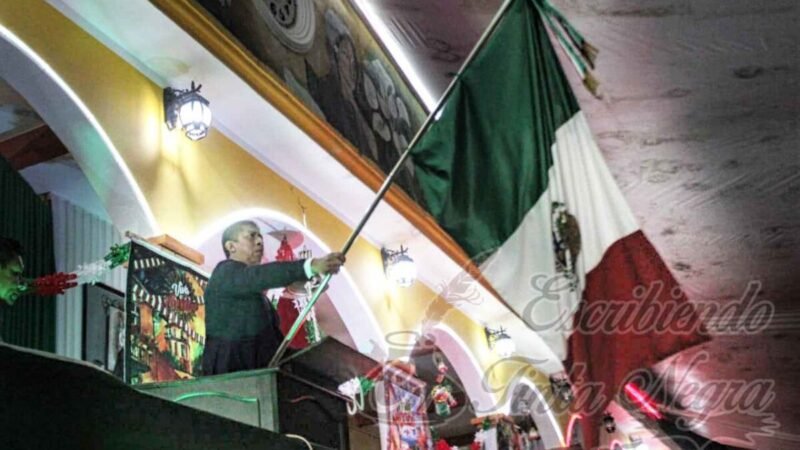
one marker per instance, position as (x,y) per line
(295,436)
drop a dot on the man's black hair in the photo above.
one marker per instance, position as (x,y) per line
(10,250)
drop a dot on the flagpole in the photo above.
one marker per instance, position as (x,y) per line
(387,184)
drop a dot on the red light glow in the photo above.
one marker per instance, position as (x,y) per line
(645,403)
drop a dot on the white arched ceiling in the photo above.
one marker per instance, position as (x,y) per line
(350,305)
(78,129)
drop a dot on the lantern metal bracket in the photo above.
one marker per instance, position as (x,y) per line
(172,102)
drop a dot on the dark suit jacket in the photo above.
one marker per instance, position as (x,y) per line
(235,306)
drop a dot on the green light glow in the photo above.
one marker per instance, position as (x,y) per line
(191,395)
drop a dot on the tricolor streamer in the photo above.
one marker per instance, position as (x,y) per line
(580,52)
(58,283)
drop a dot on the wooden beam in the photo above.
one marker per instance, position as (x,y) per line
(32,147)
(172,244)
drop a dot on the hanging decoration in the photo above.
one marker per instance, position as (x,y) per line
(89,273)
(53,284)
(312,330)
(285,252)
(442,392)
(443,399)
(356,388)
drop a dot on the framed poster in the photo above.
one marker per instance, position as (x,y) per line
(115,341)
(103,326)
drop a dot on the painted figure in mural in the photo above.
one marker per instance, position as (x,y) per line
(11,267)
(336,91)
(381,104)
(360,100)
(241,327)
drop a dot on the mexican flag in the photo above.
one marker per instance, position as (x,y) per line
(510,170)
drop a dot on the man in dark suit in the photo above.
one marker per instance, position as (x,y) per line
(241,327)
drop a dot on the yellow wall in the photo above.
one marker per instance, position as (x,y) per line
(190,184)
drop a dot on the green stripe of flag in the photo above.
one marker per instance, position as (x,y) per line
(484,163)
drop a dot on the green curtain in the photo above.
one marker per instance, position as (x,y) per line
(28,218)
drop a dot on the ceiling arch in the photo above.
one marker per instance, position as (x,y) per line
(79,130)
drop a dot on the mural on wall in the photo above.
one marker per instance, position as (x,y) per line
(166,318)
(328,58)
